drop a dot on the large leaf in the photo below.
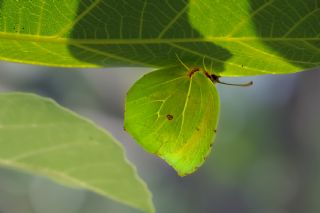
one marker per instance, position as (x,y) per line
(235,37)
(38,136)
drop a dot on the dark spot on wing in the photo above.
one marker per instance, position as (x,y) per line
(169,117)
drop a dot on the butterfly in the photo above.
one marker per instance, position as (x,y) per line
(173,113)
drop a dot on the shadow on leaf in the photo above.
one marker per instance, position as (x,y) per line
(292,28)
(141,33)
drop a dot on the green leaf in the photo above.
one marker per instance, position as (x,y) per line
(38,136)
(263,36)
(173,113)
(236,37)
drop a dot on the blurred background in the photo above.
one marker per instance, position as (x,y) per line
(266,156)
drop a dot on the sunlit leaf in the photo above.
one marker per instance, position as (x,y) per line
(38,136)
(173,113)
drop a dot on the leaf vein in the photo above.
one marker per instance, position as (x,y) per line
(77,19)
(297,24)
(173,21)
(245,20)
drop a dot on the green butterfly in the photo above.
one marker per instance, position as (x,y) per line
(173,113)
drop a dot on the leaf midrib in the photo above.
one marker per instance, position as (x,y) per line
(61,40)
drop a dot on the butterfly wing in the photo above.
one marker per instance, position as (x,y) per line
(174,116)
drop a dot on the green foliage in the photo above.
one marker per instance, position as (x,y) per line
(38,136)
(236,37)
(173,113)
(230,38)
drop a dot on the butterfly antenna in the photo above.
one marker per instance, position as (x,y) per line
(203,63)
(238,85)
(211,66)
(181,62)
(216,79)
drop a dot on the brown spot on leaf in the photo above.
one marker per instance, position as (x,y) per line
(215,131)
(197,129)
(169,117)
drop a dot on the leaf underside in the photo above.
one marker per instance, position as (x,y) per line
(234,37)
(174,116)
(38,136)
